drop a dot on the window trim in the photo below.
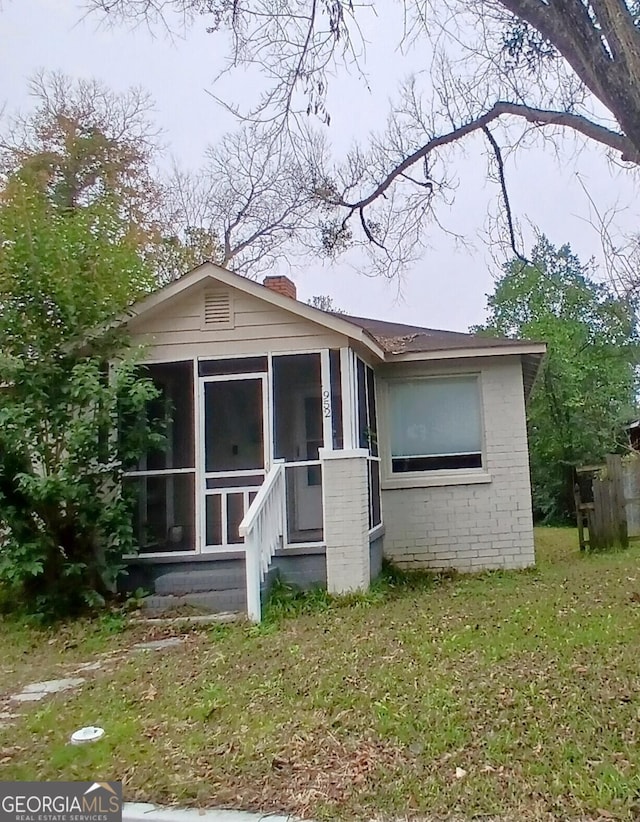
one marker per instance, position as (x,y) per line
(437,477)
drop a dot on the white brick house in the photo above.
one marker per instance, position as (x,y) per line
(308,444)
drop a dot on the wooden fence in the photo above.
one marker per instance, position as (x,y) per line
(608,502)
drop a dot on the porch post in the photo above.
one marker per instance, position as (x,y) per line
(345,492)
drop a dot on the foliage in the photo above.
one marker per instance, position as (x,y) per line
(180,252)
(83,142)
(63,519)
(586,390)
(286,600)
(253,197)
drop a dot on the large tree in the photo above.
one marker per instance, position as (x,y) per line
(82,142)
(64,521)
(251,206)
(586,390)
(500,69)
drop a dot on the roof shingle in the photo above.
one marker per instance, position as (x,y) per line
(396,338)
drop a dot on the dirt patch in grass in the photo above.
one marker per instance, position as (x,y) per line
(511,695)
(30,653)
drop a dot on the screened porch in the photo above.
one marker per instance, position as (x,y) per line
(227,421)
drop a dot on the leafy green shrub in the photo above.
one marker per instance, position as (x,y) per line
(64,521)
(287,600)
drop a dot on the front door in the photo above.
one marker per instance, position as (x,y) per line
(235,453)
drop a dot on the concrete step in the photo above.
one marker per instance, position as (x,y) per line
(213,602)
(195,581)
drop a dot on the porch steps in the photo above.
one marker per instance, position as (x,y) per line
(193,619)
(178,583)
(199,590)
(231,599)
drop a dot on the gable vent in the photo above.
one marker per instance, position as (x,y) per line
(217,310)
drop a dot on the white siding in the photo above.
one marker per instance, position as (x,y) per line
(175,330)
(469,527)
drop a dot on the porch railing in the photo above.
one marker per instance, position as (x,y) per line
(263,529)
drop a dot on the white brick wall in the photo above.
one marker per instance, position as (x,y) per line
(471,527)
(346,519)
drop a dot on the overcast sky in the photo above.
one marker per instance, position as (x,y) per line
(448,287)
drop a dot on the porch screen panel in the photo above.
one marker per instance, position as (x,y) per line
(363,418)
(375,507)
(234,432)
(163,511)
(372,416)
(367,418)
(213,513)
(297,401)
(298,436)
(304,503)
(336,400)
(235,512)
(236,365)
(172,413)
(163,481)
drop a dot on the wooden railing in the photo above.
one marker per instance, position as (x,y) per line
(263,528)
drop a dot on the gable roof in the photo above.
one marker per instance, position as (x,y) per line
(211,271)
(386,340)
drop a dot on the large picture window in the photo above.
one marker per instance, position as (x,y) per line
(436,424)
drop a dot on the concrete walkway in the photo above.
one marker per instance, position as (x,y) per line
(143,812)
(37,691)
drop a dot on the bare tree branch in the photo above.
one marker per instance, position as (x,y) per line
(253,199)
(497,152)
(552,66)
(538,117)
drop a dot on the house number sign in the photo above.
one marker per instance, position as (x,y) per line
(326,403)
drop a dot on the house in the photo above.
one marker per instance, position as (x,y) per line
(307,443)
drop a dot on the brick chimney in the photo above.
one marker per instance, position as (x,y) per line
(283,285)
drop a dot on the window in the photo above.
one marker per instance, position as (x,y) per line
(368,436)
(435,424)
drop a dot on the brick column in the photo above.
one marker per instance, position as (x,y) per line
(345,498)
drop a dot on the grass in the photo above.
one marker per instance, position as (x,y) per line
(26,649)
(515,694)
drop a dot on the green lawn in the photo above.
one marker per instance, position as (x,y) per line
(515,694)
